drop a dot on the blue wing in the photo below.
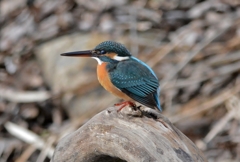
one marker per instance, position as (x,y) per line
(156,95)
(138,81)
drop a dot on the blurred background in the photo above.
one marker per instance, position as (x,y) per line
(192,45)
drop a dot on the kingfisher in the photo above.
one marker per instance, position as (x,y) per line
(124,75)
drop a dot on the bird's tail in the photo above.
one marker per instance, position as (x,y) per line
(156,97)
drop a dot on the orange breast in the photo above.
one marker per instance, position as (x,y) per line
(105,81)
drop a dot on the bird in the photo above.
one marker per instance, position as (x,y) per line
(122,74)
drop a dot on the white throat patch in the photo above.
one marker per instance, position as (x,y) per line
(98,60)
(118,58)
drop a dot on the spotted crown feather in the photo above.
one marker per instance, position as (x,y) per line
(111,46)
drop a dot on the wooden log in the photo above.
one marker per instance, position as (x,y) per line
(129,135)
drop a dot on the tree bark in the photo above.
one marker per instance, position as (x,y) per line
(129,135)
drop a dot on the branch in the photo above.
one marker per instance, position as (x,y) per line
(130,135)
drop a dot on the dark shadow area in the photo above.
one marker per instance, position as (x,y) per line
(106,158)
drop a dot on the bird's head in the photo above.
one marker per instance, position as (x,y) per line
(107,51)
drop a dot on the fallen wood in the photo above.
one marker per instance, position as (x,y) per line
(128,135)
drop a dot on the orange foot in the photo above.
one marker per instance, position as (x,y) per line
(124,104)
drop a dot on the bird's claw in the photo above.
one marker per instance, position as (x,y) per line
(124,104)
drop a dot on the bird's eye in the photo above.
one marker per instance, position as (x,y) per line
(103,52)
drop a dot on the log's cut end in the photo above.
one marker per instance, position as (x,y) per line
(128,135)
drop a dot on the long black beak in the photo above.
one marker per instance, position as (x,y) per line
(88,53)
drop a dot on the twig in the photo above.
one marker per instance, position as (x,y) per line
(225,70)
(219,99)
(233,106)
(23,97)
(157,57)
(27,136)
(194,52)
(48,148)
(26,154)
